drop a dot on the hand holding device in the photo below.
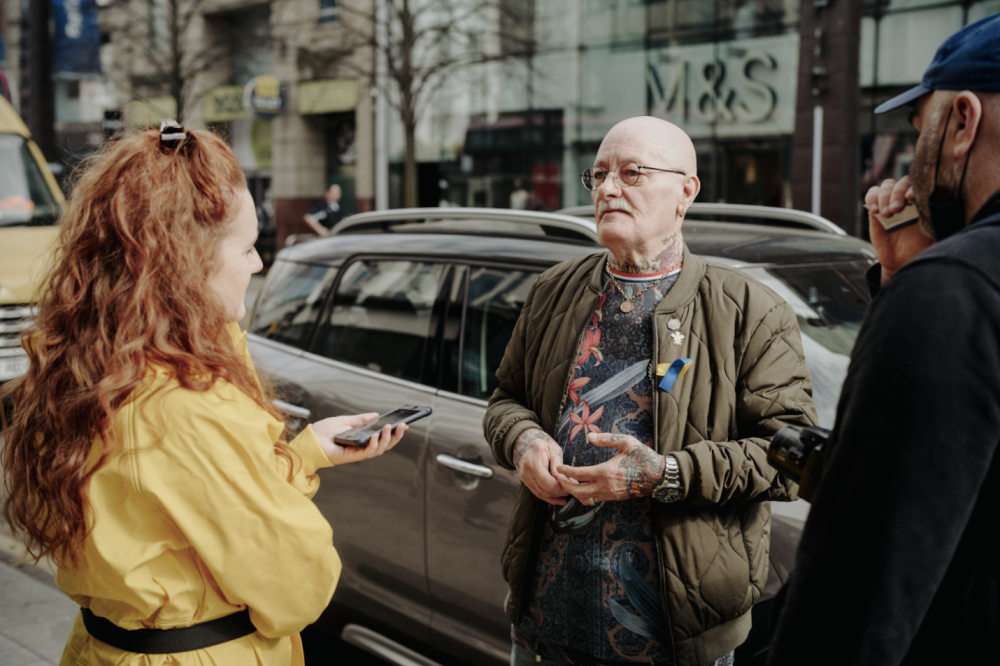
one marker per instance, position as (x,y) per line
(890,202)
(360,435)
(377,443)
(900,220)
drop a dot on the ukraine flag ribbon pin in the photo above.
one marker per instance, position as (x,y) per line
(671,372)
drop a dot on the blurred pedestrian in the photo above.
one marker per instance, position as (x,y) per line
(635,398)
(325,215)
(519,197)
(897,563)
(144,454)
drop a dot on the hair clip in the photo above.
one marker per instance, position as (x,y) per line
(171,132)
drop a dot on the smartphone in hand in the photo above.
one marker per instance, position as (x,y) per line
(359,435)
(900,220)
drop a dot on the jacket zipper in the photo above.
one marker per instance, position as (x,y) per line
(534,521)
(656,522)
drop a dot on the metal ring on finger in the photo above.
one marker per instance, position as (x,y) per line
(591,502)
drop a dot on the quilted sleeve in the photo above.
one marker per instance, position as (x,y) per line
(773,390)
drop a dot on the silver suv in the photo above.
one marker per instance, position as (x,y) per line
(416,307)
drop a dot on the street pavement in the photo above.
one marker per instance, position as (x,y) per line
(35,616)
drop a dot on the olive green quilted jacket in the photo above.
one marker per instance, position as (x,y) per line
(748,380)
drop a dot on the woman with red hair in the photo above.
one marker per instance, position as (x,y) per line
(143,454)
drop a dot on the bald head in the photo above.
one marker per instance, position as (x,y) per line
(661,143)
(640,215)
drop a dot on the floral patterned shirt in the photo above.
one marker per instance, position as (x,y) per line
(594,595)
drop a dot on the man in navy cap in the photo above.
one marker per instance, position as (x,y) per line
(897,563)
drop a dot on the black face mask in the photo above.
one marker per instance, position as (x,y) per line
(947,217)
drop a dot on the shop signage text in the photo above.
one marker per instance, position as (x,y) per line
(224,103)
(263,97)
(746,87)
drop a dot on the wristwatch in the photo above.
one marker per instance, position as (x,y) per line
(670,489)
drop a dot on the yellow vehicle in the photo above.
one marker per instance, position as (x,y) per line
(30,203)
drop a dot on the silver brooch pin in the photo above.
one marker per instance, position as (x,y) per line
(677,338)
(674,324)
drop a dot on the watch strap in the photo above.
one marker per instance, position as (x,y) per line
(670,489)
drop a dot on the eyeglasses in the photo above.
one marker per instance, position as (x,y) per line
(626,174)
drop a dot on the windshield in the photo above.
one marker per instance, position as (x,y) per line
(25,197)
(829,300)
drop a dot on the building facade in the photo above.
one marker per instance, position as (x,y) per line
(271,77)
(777,95)
(743,78)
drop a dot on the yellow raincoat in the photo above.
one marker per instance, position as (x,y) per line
(195,519)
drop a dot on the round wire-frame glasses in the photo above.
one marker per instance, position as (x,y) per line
(626,174)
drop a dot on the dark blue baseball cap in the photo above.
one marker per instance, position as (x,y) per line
(968,60)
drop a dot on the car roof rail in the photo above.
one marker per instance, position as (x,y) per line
(459,220)
(751,214)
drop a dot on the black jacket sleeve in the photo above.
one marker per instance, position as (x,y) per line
(917,426)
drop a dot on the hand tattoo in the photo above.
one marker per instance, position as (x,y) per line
(524,442)
(643,469)
(670,259)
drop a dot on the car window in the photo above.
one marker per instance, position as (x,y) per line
(381,317)
(25,197)
(291,302)
(496,296)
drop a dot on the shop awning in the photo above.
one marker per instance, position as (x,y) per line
(327,96)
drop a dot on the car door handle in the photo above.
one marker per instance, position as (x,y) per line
(294,410)
(465,466)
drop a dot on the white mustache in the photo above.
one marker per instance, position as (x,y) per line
(605,205)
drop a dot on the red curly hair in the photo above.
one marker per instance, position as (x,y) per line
(127,290)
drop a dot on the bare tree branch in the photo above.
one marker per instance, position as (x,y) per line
(431,41)
(158,55)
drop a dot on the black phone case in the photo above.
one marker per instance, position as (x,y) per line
(358,436)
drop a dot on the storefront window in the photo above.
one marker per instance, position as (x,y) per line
(724,71)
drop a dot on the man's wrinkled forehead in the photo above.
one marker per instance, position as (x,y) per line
(624,144)
(611,161)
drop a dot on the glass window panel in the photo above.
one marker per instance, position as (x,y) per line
(381,317)
(329,10)
(981,10)
(291,301)
(496,296)
(907,42)
(613,22)
(866,59)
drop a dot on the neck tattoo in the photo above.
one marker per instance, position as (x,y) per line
(670,259)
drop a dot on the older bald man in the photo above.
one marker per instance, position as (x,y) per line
(635,399)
